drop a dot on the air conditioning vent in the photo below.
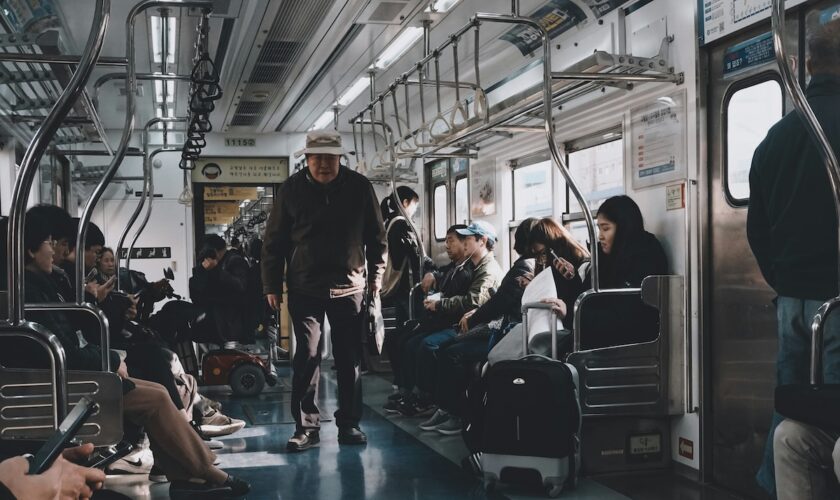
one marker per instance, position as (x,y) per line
(386,12)
(292,30)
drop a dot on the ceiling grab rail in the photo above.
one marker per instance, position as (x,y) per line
(459,110)
(405,146)
(481,109)
(389,136)
(554,149)
(401,139)
(439,117)
(147,179)
(832,166)
(419,139)
(16,325)
(130,89)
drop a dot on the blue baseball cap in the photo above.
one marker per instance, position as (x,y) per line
(479,228)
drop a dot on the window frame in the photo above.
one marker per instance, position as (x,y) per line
(527,161)
(731,90)
(605,136)
(435,208)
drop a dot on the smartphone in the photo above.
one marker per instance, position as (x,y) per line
(100,462)
(568,270)
(62,436)
(91,275)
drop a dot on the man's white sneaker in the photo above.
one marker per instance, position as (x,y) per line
(139,462)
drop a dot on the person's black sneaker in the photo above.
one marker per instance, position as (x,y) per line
(237,486)
(188,490)
(303,440)
(394,400)
(351,435)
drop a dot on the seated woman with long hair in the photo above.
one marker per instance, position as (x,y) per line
(627,254)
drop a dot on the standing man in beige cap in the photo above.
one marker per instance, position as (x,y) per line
(325,234)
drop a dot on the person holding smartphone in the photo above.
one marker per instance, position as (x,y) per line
(64,479)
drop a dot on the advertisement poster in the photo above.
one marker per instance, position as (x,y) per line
(658,142)
(483,188)
(557,17)
(602,7)
(248,170)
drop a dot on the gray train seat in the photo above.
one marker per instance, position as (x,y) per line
(631,375)
(26,409)
(640,377)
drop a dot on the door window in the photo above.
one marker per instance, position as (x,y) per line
(750,112)
(440,210)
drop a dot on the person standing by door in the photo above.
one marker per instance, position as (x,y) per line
(325,233)
(792,226)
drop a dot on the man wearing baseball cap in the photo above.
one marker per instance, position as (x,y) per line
(325,234)
(419,352)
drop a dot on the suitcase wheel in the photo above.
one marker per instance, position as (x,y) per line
(553,490)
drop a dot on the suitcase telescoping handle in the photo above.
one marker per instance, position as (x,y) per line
(552,326)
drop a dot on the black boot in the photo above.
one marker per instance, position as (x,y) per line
(351,435)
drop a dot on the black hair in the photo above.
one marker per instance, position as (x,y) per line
(214,241)
(36,230)
(61,223)
(490,243)
(387,206)
(234,242)
(453,230)
(627,217)
(824,48)
(93,237)
(522,235)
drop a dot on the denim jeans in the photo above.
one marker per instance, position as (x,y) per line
(793,362)
(426,372)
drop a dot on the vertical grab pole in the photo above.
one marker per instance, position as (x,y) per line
(135,214)
(832,168)
(23,185)
(119,154)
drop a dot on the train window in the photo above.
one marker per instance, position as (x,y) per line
(532,192)
(441,209)
(750,112)
(462,201)
(598,170)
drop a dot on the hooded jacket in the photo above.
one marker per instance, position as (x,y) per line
(327,239)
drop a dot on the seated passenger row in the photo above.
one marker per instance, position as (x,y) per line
(159,399)
(475,312)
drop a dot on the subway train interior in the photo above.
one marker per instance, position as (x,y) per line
(211,156)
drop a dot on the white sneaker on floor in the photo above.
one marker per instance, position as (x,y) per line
(438,418)
(216,424)
(452,426)
(215,444)
(139,462)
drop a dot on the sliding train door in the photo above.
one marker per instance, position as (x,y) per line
(447,182)
(745,97)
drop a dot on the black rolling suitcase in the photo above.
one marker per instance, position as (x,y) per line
(532,420)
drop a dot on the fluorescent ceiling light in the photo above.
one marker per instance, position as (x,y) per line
(323,121)
(353,91)
(398,47)
(170,91)
(155,35)
(441,5)
(171,39)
